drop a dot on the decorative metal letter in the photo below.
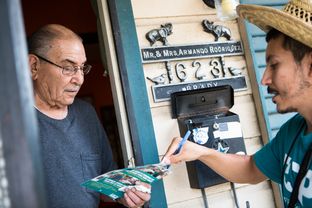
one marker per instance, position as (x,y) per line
(216,70)
(199,73)
(181,73)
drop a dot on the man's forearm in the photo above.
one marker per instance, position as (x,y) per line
(235,168)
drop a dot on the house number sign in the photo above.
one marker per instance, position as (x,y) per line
(214,49)
(163,92)
(165,84)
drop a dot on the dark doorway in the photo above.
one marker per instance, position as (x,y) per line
(79,16)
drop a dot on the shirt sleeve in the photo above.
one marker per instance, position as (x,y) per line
(268,162)
(270,158)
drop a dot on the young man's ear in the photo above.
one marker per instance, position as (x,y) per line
(34,65)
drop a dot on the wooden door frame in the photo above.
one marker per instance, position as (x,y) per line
(18,127)
(132,81)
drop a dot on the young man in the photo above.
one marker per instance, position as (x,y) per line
(74,145)
(288,76)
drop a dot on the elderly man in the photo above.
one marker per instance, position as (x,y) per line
(74,145)
(288,76)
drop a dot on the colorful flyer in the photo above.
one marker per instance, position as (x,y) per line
(114,183)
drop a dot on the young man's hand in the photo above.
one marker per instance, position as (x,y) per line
(189,152)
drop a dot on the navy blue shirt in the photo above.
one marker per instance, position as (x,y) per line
(74,149)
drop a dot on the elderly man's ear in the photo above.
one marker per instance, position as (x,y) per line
(34,65)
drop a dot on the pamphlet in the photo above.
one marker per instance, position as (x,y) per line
(114,183)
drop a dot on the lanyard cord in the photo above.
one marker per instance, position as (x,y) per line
(289,151)
(285,162)
(302,172)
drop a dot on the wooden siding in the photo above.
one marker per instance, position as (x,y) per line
(186,17)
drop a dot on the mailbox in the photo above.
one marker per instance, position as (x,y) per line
(206,112)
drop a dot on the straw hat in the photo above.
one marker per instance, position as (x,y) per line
(295,20)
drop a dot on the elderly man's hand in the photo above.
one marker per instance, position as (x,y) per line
(134,198)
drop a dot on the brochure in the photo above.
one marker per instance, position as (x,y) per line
(114,183)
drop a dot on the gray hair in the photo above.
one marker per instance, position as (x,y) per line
(41,41)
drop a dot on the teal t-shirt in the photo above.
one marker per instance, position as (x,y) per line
(271,159)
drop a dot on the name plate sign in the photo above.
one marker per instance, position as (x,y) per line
(163,92)
(214,49)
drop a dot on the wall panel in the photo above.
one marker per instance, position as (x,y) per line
(186,17)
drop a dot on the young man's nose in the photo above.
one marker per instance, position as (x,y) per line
(266,78)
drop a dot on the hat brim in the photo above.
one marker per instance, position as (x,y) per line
(267,18)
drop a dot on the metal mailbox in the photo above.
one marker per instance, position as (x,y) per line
(206,112)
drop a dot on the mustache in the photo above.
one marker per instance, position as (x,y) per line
(271,90)
(75,88)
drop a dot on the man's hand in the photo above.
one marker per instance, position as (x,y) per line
(134,198)
(189,152)
(233,167)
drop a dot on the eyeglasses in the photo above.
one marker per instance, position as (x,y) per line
(69,70)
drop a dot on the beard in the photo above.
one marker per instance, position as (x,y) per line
(287,110)
(303,86)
